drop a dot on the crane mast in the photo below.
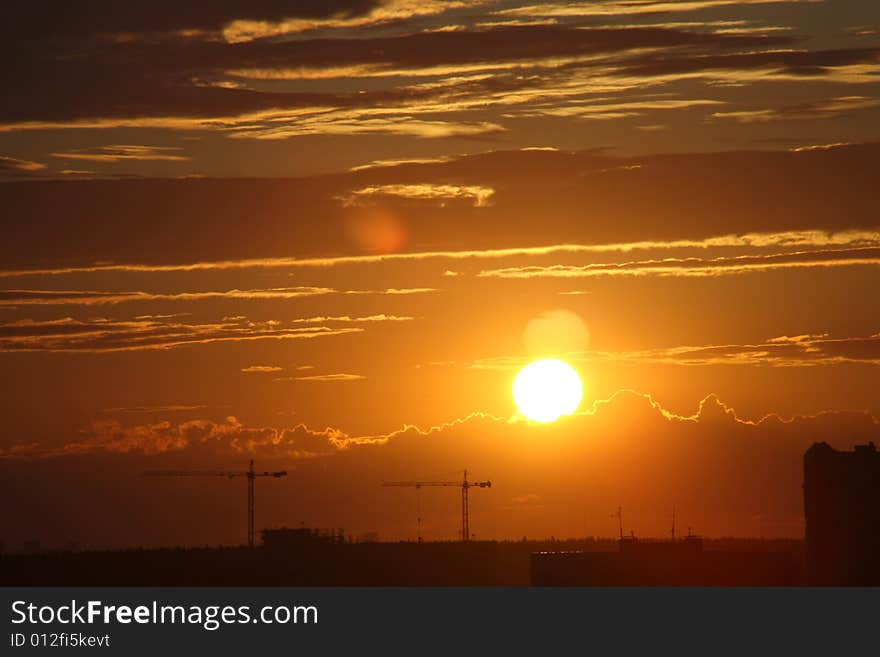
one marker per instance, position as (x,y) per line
(465,486)
(250,474)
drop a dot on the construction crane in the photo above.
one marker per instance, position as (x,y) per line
(250,474)
(465,486)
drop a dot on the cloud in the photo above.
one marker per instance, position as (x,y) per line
(783,239)
(120,153)
(10,164)
(663,216)
(261,369)
(100,298)
(819,147)
(478,195)
(824,109)
(67,334)
(605,111)
(354,122)
(168,436)
(159,437)
(698,267)
(47,20)
(13,167)
(379,164)
(627,7)
(195,78)
(378,14)
(347,319)
(174,408)
(329,377)
(796,351)
(193,86)
(78,172)
(718,469)
(853,65)
(395,291)
(104,335)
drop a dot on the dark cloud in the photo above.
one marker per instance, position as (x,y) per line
(662,197)
(724,474)
(795,62)
(104,80)
(26,19)
(123,152)
(819,109)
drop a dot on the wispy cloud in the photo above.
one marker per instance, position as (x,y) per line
(13,167)
(478,195)
(357,122)
(697,267)
(378,14)
(261,369)
(824,109)
(785,239)
(605,111)
(381,164)
(627,7)
(77,172)
(807,350)
(395,291)
(347,319)
(202,92)
(122,152)
(174,408)
(100,298)
(329,377)
(16,164)
(104,335)
(165,332)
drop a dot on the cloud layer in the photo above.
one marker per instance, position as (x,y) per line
(725,474)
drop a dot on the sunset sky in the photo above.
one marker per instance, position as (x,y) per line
(327,235)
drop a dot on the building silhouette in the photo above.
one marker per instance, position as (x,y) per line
(682,562)
(284,538)
(842,510)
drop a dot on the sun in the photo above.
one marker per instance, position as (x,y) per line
(546,389)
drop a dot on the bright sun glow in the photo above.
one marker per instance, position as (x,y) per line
(545,389)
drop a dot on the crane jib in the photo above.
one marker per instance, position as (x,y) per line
(250,474)
(464,484)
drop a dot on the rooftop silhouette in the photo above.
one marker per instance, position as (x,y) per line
(842,511)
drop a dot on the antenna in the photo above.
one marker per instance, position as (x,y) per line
(419,513)
(620,521)
(673,523)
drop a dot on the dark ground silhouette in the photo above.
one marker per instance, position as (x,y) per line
(477,563)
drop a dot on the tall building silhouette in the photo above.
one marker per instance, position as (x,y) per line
(842,510)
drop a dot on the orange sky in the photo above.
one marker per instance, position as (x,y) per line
(317,238)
